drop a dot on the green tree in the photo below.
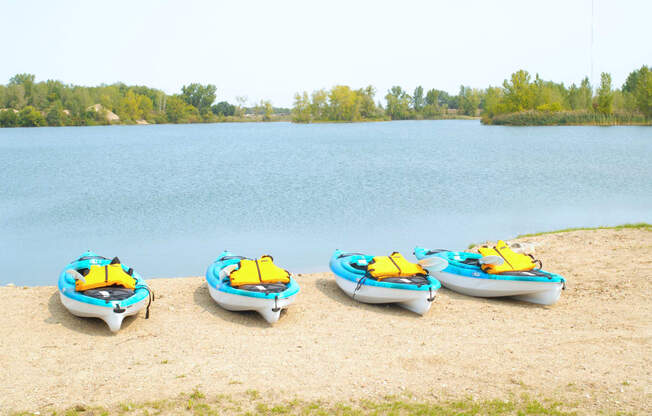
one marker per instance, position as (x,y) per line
(8,117)
(493,104)
(128,108)
(199,96)
(432,97)
(398,104)
(367,106)
(267,109)
(56,116)
(301,111)
(319,106)
(631,83)
(223,109)
(343,104)
(605,94)
(468,100)
(30,117)
(145,106)
(417,99)
(643,92)
(15,96)
(26,80)
(519,94)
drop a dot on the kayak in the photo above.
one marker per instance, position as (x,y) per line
(238,283)
(462,272)
(412,291)
(93,286)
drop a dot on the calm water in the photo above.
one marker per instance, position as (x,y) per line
(168,199)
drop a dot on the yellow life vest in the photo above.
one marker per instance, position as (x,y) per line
(263,270)
(395,265)
(102,276)
(512,261)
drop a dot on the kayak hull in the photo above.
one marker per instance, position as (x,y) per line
(112,318)
(542,293)
(415,298)
(269,309)
(418,302)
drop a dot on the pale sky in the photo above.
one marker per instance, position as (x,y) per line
(272,49)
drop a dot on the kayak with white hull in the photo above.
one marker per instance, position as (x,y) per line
(408,286)
(238,283)
(462,273)
(93,286)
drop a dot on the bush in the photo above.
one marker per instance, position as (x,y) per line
(555,118)
(30,117)
(8,118)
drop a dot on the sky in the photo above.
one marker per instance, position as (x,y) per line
(273,49)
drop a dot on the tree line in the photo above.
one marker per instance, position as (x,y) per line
(520,100)
(27,103)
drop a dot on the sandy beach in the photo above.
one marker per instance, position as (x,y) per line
(592,349)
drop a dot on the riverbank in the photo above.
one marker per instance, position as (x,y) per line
(591,352)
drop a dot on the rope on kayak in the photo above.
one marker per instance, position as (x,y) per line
(432,297)
(151,298)
(275,308)
(359,285)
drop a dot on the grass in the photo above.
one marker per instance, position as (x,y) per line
(638,226)
(197,403)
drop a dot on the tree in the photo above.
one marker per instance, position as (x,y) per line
(417,99)
(30,117)
(267,109)
(343,104)
(15,96)
(301,111)
(367,106)
(643,93)
(128,108)
(605,94)
(398,104)
(55,116)
(242,102)
(468,100)
(8,117)
(631,83)
(199,96)
(145,106)
(492,102)
(319,106)
(518,92)
(223,109)
(26,80)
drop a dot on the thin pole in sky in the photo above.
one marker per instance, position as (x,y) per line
(591,74)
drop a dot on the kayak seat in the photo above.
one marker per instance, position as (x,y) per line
(411,280)
(471,262)
(109,293)
(265,287)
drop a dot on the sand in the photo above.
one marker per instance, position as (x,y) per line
(592,348)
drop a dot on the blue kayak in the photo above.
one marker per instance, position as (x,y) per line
(111,303)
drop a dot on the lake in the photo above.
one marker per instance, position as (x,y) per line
(167,199)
